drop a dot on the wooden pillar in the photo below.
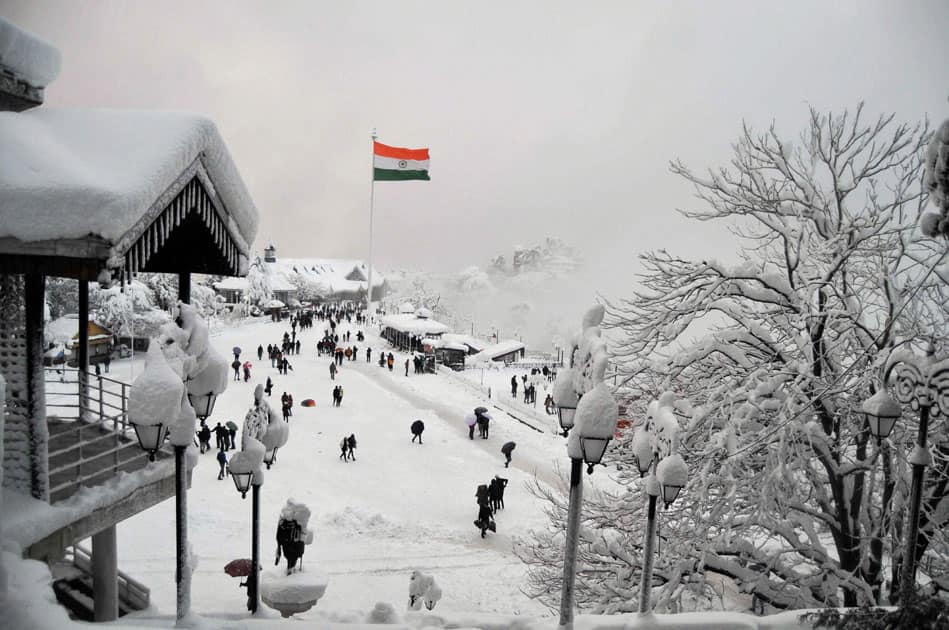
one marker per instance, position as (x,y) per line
(105,575)
(184,287)
(82,362)
(34,296)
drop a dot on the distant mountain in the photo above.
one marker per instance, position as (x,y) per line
(526,296)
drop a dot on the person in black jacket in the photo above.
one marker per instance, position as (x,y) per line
(222,460)
(417,427)
(506,450)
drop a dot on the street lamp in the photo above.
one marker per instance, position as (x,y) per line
(654,446)
(150,436)
(566,399)
(922,383)
(246,469)
(270,457)
(881,412)
(585,404)
(203,404)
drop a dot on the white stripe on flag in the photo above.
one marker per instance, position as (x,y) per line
(395,164)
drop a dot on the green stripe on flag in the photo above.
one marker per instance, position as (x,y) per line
(388,175)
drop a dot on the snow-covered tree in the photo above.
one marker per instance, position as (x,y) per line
(788,497)
(258,284)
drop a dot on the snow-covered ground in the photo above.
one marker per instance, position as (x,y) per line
(399,507)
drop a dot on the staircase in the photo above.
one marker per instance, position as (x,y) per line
(74,590)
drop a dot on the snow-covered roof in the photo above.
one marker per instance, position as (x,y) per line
(499,349)
(409,323)
(86,173)
(232,284)
(27,56)
(406,307)
(329,274)
(445,343)
(467,340)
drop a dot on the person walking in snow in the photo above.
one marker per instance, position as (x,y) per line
(507,449)
(355,356)
(368,355)
(417,427)
(344,449)
(406,367)
(222,461)
(514,387)
(351,440)
(219,436)
(339,395)
(236,365)
(246,372)
(260,353)
(336,396)
(333,371)
(268,387)
(391,361)
(297,346)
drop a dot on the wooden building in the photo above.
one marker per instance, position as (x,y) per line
(85,211)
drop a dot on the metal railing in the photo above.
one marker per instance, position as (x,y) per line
(132,593)
(91,438)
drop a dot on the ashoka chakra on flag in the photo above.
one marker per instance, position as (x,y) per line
(398,164)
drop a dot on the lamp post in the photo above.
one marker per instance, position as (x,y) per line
(654,446)
(244,481)
(584,404)
(922,383)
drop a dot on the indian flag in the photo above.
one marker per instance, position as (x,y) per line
(397,164)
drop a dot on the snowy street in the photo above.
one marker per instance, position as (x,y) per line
(399,507)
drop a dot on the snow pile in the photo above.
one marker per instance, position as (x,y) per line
(29,57)
(293,593)
(596,417)
(181,431)
(383,613)
(156,392)
(672,471)
(71,174)
(249,460)
(295,511)
(564,393)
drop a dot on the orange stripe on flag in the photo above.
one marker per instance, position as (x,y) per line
(399,153)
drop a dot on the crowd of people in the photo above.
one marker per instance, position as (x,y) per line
(336,344)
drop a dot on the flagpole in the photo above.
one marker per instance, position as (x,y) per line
(372,198)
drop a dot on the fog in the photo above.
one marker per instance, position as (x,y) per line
(543,118)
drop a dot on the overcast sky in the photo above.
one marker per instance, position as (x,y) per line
(543,118)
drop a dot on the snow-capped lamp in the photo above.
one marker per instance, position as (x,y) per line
(881,412)
(566,399)
(596,418)
(278,432)
(155,401)
(245,465)
(672,474)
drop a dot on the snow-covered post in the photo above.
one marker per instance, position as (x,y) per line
(247,469)
(594,421)
(159,398)
(654,446)
(3,416)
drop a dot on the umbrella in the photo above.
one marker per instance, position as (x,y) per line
(236,350)
(230,425)
(487,415)
(248,364)
(471,419)
(239,568)
(309,402)
(480,409)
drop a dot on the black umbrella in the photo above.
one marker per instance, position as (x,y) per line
(480,409)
